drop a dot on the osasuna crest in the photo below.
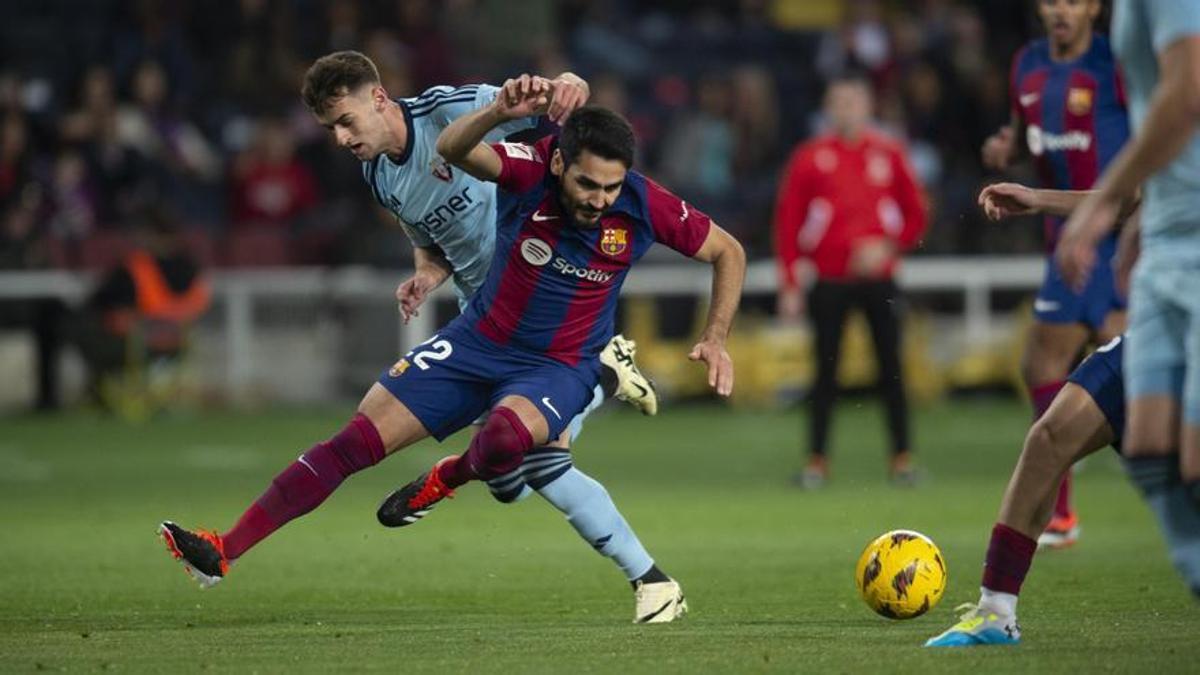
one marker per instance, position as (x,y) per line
(440,169)
(613,241)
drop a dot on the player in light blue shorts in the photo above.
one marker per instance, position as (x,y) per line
(1088,414)
(1158,44)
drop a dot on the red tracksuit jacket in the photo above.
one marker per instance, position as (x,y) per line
(836,192)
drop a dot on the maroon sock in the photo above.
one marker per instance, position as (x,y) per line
(1009,556)
(456,471)
(303,485)
(1062,507)
(1042,395)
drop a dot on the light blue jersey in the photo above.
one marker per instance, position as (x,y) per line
(437,204)
(1141,30)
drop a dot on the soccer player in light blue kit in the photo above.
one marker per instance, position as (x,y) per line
(451,219)
(1158,45)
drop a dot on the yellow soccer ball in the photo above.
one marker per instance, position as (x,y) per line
(901,574)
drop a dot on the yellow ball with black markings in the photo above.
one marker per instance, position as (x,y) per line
(901,574)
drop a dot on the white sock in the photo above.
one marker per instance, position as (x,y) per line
(1004,604)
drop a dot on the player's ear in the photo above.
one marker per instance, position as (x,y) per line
(556,163)
(379,97)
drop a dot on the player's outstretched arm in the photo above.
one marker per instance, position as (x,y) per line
(1007,200)
(461,143)
(728,260)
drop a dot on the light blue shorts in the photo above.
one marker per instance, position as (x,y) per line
(1162,352)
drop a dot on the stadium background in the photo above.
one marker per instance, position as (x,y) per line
(108,105)
(112,105)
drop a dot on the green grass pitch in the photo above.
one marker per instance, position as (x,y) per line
(85,585)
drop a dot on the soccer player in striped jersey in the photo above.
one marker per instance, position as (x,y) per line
(1084,417)
(572,219)
(450,217)
(1069,116)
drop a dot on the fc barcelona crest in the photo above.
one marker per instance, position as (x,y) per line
(613,241)
(1079,100)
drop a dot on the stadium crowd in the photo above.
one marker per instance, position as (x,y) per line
(112,105)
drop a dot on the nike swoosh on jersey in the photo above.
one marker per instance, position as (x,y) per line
(546,402)
(1029,99)
(538,217)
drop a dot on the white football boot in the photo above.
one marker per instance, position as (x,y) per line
(660,602)
(632,387)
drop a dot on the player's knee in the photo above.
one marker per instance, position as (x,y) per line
(499,447)
(1048,443)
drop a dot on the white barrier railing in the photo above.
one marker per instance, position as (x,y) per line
(239,290)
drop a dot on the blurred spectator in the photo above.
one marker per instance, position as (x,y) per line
(269,185)
(97,103)
(73,203)
(848,208)
(862,41)
(16,157)
(150,126)
(261,67)
(433,58)
(697,154)
(134,327)
(755,119)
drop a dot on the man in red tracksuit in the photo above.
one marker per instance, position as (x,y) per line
(848,207)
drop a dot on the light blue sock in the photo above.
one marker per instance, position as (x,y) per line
(591,511)
(576,424)
(1158,480)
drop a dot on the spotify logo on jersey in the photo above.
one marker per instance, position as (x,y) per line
(535,251)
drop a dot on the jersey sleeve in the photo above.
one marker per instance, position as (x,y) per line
(1171,20)
(1014,76)
(418,237)
(446,104)
(522,166)
(791,204)
(676,223)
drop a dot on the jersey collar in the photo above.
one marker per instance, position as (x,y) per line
(411,140)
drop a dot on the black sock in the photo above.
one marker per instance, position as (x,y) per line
(608,381)
(652,576)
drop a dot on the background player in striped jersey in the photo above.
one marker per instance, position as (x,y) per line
(573,218)
(1068,114)
(450,216)
(1086,415)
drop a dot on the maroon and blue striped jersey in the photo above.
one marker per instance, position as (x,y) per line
(553,285)
(1074,114)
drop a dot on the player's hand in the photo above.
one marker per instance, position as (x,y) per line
(871,257)
(569,94)
(1007,200)
(720,366)
(412,293)
(523,96)
(998,148)
(1089,223)
(790,304)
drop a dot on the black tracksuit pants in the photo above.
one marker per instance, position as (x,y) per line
(828,304)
